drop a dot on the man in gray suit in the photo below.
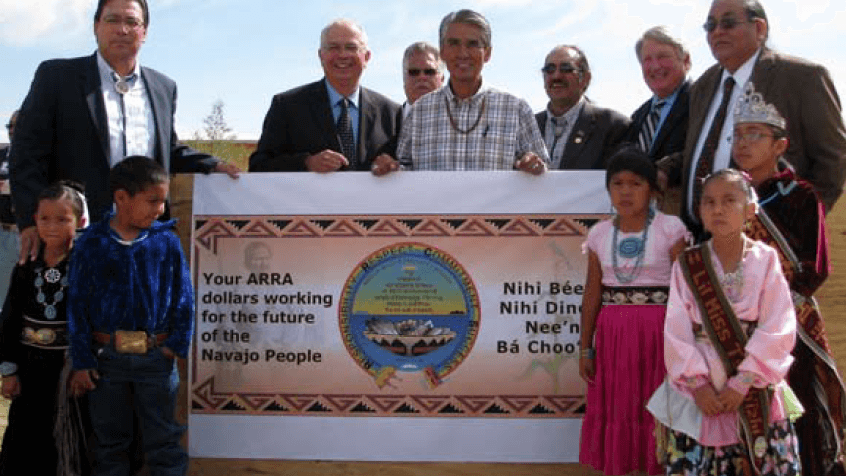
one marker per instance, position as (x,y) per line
(83,115)
(802,92)
(578,135)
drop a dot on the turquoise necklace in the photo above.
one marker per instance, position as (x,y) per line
(632,247)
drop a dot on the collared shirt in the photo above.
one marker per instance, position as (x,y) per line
(669,101)
(131,115)
(335,101)
(570,117)
(487,131)
(722,156)
(139,285)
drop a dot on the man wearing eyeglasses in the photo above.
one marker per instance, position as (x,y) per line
(466,124)
(802,92)
(9,241)
(578,134)
(83,115)
(331,124)
(422,72)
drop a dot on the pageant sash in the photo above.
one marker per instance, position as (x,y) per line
(729,340)
(811,328)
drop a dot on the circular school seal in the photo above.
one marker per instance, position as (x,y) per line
(409,307)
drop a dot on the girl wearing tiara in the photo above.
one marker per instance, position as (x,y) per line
(629,262)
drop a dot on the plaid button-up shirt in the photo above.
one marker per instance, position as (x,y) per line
(487,131)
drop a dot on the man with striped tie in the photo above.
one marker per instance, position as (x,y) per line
(659,126)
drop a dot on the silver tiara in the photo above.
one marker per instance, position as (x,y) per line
(751,107)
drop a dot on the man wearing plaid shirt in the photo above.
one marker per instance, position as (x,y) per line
(467,125)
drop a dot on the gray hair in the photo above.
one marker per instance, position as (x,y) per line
(424,48)
(468,17)
(660,34)
(324,33)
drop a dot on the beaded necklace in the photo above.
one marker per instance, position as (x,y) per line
(52,276)
(632,247)
(732,283)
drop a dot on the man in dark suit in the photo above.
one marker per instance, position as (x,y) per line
(801,91)
(578,135)
(331,124)
(83,115)
(659,125)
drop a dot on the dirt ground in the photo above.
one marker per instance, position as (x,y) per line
(832,298)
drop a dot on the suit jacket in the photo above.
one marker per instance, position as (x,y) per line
(300,123)
(671,136)
(62,133)
(595,136)
(804,94)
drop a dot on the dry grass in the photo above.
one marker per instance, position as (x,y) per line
(832,297)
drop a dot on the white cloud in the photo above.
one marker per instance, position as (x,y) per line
(24,23)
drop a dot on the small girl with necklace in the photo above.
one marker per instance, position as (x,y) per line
(629,261)
(33,336)
(729,332)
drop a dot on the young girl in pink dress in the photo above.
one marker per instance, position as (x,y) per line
(715,428)
(629,262)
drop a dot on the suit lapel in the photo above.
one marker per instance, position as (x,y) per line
(91,90)
(322,115)
(582,130)
(366,121)
(161,119)
(680,108)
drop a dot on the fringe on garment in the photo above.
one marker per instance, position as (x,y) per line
(69,430)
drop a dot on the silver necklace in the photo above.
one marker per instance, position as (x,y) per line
(52,276)
(632,247)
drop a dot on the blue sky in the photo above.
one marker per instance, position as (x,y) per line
(244,51)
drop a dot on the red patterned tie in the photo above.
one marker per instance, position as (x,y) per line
(706,158)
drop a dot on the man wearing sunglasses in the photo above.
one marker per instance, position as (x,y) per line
(578,134)
(422,72)
(802,92)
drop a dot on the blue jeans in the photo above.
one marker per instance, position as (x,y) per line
(145,385)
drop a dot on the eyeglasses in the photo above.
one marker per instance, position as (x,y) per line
(414,72)
(726,23)
(748,137)
(565,68)
(132,23)
(10,126)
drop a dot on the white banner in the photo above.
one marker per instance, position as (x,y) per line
(422,316)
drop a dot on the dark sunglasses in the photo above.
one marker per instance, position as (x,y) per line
(10,126)
(416,72)
(727,23)
(565,68)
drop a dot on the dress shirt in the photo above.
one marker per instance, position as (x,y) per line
(722,156)
(570,117)
(335,101)
(140,128)
(499,128)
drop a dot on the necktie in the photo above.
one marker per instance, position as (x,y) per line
(647,132)
(559,125)
(345,133)
(706,158)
